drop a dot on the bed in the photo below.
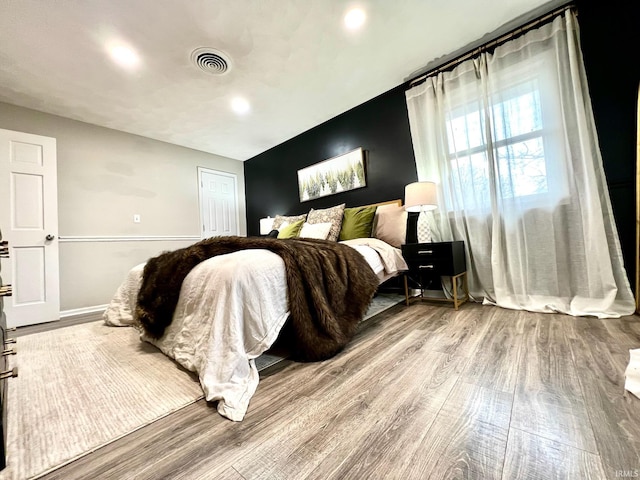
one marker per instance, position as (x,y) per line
(230,308)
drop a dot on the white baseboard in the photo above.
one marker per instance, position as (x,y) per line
(82,311)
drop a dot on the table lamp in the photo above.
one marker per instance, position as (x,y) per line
(421,197)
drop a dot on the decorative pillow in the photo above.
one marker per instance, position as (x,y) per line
(317,230)
(280,219)
(357,222)
(290,230)
(332,215)
(390,224)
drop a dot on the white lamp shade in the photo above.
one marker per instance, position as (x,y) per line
(420,196)
(266,225)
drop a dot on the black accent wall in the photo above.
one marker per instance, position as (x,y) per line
(380,126)
(609,38)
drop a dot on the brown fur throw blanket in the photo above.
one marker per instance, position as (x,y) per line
(330,286)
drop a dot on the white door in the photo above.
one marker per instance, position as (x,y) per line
(29,222)
(218,203)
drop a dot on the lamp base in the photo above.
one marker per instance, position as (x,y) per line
(424,231)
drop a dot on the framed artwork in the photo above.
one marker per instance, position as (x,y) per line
(338,174)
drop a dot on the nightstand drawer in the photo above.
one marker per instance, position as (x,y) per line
(441,258)
(426,251)
(424,266)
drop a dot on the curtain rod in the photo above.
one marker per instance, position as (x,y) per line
(492,43)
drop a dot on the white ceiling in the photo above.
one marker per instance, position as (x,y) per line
(292,59)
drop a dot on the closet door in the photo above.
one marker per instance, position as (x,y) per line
(218,203)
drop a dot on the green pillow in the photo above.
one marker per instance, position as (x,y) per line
(357,222)
(292,230)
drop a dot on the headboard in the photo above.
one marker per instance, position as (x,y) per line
(389,202)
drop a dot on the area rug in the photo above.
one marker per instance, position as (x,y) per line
(81,387)
(380,303)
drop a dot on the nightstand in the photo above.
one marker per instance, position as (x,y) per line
(428,262)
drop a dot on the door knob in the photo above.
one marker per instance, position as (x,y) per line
(50,237)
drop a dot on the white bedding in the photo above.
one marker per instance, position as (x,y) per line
(385,260)
(230,310)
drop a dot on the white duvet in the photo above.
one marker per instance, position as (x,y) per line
(230,310)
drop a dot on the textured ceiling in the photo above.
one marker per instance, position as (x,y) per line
(292,60)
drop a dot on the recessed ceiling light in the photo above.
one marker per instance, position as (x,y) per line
(240,105)
(124,56)
(354,18)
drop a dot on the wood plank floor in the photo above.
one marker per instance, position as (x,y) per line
(423,392)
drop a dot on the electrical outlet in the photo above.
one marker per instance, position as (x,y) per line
(136,218)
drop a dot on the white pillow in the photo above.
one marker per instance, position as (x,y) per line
(315,230)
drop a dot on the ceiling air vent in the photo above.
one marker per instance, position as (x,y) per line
(211,61)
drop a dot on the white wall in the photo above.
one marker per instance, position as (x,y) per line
(104,177)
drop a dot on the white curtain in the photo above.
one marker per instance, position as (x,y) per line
(510,139)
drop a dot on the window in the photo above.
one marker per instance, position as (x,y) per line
(509,136)
(503,145)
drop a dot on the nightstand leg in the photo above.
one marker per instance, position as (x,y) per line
(465,285)
(406,291)
(455,292)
